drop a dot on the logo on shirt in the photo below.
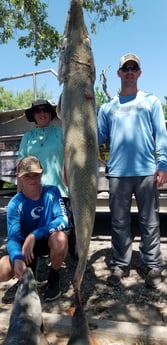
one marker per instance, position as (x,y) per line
(35,212)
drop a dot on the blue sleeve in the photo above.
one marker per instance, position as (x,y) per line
(160,134)
(14,242)
(103,127)
(56,214)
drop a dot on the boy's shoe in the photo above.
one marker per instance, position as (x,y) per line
(53,288)
(52,293)
(153,278)
(118,273)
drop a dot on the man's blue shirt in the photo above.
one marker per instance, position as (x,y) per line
(135,128)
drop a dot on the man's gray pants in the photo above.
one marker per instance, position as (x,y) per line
(120,199)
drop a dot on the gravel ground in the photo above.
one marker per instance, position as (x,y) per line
(130,302)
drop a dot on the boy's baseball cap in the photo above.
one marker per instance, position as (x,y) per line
(29,165)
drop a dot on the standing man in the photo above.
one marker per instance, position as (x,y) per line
(133,122)
(37,225)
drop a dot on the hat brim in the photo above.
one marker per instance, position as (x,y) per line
(127,60)
(29,113)
(38,171)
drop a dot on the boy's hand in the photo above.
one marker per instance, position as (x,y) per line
(19,267)
(27,248)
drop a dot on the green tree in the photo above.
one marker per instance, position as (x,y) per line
(23,99)
(100,96)
(27,20)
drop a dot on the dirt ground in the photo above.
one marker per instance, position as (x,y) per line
(130,303)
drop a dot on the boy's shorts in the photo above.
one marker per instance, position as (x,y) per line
(41,247)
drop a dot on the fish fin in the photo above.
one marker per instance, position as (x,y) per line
(71,311)
(93,341)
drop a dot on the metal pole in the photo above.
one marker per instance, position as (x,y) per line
(34,86)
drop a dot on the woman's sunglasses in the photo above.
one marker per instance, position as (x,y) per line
(42,110)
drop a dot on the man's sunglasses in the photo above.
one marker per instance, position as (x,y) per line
(130,68)
(42,110)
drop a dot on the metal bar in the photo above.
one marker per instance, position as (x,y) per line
(30,74)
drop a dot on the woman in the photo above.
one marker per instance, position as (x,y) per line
(45,142)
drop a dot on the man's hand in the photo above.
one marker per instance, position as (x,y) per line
(160,177)
(19,267)
(27,248)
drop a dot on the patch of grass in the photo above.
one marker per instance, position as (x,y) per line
(8,185)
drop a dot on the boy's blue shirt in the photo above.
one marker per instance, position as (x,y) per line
(135,127)
(40,217)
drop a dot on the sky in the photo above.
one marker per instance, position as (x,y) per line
(143,34)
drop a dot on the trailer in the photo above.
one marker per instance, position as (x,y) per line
(13,125)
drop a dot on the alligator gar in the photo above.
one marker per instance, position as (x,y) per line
(78,115)
(25,324)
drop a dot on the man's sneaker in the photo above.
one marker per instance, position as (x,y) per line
(153,278)
(53,288)
(118,273)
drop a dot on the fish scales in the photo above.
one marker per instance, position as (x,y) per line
(79,123)
(25,322)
